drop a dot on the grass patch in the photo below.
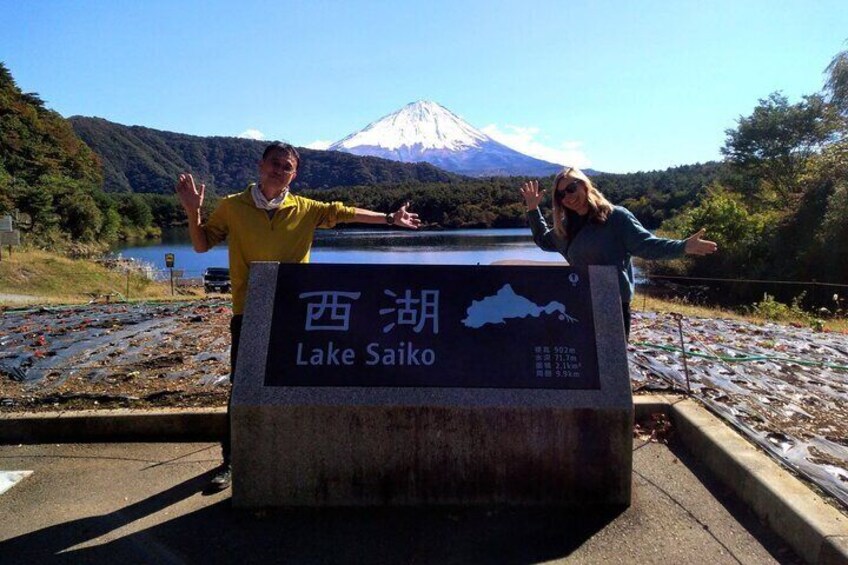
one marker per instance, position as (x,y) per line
(757,314)
(51,278)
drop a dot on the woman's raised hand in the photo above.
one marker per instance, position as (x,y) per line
(532,195)
(697,246)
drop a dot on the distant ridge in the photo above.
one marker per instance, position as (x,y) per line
(425,131)
(140,159)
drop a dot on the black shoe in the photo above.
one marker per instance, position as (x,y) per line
(222,479)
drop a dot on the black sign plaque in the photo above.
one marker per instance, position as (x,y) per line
(432,326)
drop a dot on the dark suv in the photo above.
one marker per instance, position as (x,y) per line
(216,279)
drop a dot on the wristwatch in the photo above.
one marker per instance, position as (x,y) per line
(390,218)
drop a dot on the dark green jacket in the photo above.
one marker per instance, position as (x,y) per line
(612,243)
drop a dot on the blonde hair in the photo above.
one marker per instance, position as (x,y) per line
(599,207)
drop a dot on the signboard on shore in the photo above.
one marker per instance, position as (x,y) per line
(427,326)
(423,384)
(10,237)
(5,223)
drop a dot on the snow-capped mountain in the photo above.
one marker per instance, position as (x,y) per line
(426,131)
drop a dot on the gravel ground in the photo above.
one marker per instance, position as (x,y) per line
(783,387)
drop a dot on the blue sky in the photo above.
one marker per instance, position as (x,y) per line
(617,86)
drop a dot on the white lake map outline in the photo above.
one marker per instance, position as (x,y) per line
(507,305)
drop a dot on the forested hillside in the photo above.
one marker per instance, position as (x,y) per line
(143,160)
(496,202)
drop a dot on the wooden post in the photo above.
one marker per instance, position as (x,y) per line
(679,318)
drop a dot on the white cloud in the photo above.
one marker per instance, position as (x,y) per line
(319,144)
(252,134)
(523,139)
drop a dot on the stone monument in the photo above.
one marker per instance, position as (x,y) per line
(417,385)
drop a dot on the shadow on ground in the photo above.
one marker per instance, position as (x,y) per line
(219,534)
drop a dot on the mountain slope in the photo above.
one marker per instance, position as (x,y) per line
(140,159)
(424,131)
(36,141)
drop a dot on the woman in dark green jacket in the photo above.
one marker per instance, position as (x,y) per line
(588,230)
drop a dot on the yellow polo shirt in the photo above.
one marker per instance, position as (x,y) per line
(253,236)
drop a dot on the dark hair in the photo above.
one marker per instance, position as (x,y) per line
(286,148)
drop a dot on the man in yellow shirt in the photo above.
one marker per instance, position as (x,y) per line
(267,222)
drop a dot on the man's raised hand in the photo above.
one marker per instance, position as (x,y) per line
(190,197)
(406,219)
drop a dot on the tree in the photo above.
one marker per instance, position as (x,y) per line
(135,210)
(775,141)
(6,202)
(833,233)
(37,204)
(836,85)
(740,234)
(80,215)
(111,225)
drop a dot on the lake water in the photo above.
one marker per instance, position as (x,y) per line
(459,247)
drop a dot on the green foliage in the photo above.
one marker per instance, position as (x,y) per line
(7,204)
(656,196)
(111,225)
(833,233)
(495,202)
(774,142)
(836,85)
(166,209)
(464,204)
(80,217)
(38,205)
(135,210)
(771,309)
(729,222)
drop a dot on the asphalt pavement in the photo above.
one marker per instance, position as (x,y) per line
(145,503)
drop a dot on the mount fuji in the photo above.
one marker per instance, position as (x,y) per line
(426,131)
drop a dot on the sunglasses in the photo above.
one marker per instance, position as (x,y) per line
(570,188)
